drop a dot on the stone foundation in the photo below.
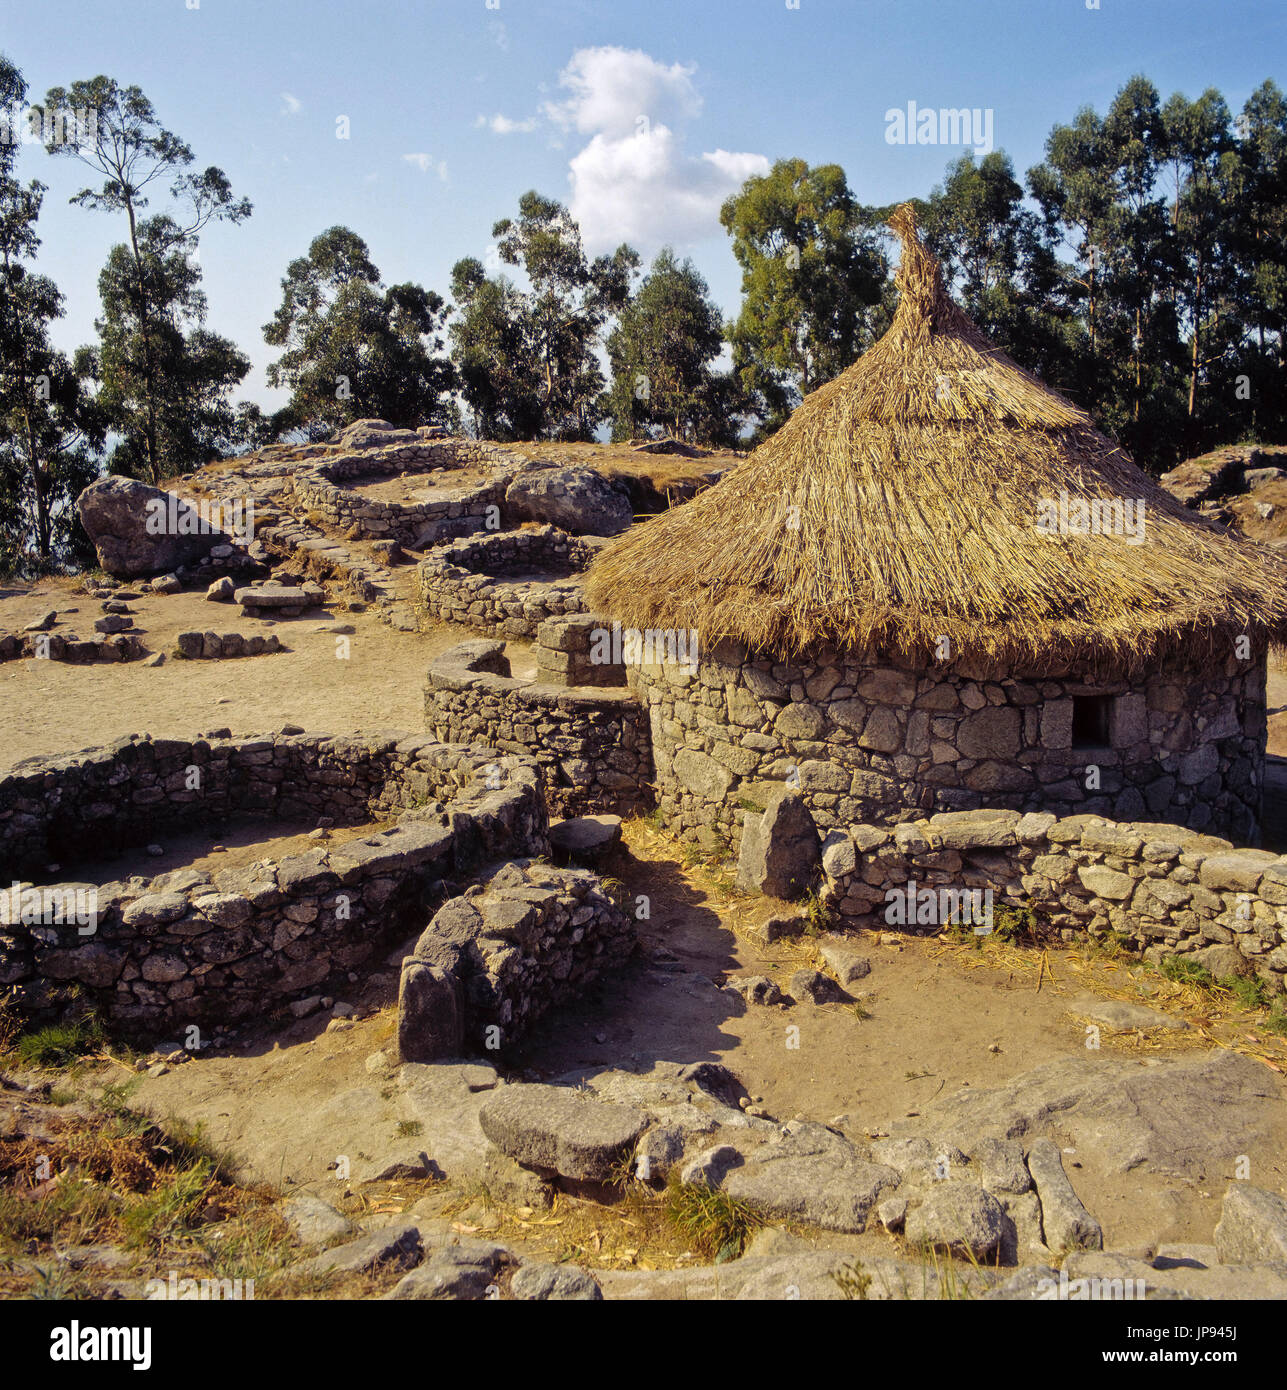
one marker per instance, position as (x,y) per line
(320,487)
(223,646)
(466,582)
(880,744)
(522,941)
(194,947)
(590,743)
(53,646)
(1171,891)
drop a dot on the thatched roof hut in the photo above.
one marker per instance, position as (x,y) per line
(902,502)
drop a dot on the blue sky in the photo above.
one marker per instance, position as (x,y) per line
(641,115)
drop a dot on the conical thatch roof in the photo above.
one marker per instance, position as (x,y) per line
(900,503)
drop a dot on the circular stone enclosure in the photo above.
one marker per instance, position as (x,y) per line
(509,582)
(450,487)
(878,744)
(213,949)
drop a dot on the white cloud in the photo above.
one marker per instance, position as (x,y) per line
(291,105)
(425,162)
(503,125)
(499,33)
(634,180)
(615,89)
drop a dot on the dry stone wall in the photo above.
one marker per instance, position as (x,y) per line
(881,744)
(192,947)
(320,488)
(522,941)
(1170,890)
(223,646)
(53,646)
(466,582)
(591,744)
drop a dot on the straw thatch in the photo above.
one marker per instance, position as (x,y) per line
(899,504)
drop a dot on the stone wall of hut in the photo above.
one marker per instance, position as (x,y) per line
(1170,891)
(879,744)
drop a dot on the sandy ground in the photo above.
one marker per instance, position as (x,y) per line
(51,707)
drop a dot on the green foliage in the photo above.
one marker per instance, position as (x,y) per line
(662,349)
(1248,990)
(1185,970)
(1015,925)
(527,358)
(354,349)
(59,1044)
(716,1224)
(1170,296)
(50,429)
(164,378)
(813,282)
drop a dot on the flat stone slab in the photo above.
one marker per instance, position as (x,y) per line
(1066,1223)
(555,1129)
(959,1217)
(398,1246)
(1116,1013)
(811,1175)
(1252,1227)
(1180,1116)
(274,598)
(586,838)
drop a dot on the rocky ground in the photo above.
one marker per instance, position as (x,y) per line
(921,1105)
(1244,487)
(751,1109)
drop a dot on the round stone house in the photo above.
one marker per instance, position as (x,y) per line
(939,587)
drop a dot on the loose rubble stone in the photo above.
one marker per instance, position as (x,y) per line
(553,1129)
(847,964)
(961,1218)
(1067,1224)
(756,989)
(314,1221)
(780,850)
(813,987)
(555,1283)
(1252,1226)
(395,1247)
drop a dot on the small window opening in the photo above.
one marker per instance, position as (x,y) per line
(1090,721)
